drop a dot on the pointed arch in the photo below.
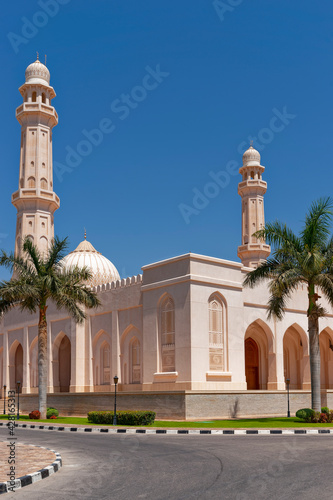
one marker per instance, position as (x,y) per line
(167,334)
(105,356)
(102,358)
(326,358)
(294,347)
(43,183)
(61,355)
(19,364)
(131,356)
(135,361)
(64,364)
(31,182)
(1,370)
(15,364)
(34,363)
(260,359)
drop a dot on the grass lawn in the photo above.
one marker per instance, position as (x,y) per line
(241,423)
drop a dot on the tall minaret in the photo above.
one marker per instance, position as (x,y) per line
(252,189)
(35,200)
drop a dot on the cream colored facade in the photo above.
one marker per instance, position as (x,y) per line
(185,323)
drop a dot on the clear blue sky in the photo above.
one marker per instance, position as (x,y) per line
(223,74)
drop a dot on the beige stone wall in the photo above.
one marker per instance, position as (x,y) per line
(182,405)
(168,406)
(250,403)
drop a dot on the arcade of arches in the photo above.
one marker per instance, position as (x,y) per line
(260,362)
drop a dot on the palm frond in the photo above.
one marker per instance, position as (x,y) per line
(317,224)
(56,252)
(33,254)
(279,235)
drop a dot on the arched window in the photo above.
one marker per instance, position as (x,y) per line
(135,361)
(43,98)
(216,334)
(34,97)
(31,182)
(43,183)
(167,328)
(105,355)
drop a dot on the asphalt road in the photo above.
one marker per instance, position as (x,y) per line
(189,467)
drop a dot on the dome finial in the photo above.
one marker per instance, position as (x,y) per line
(85,234)
(251,144)
(37,56)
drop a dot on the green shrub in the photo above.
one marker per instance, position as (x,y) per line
(316,417)
(305,414)
(326,410)
(123,417)
(52,412)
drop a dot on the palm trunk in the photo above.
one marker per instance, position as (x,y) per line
(42,362)
(314,363)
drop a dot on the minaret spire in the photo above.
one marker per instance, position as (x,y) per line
(252,189)
(35,199)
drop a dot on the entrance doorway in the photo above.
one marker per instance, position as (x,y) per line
(65,364)
(252,364)
(18,365)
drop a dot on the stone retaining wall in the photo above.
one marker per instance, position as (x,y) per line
(185,405)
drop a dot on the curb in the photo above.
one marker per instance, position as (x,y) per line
(34,476)
(235,432)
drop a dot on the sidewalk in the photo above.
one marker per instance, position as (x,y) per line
(28,459)
(32,463)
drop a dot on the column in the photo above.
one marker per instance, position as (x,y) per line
(26,362)
(50,386)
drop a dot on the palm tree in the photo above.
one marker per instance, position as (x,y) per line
(36,281)
(304,259)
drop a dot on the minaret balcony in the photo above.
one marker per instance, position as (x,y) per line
(36,108)
(31,194)
(249,186)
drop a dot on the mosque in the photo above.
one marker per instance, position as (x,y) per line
(184,337)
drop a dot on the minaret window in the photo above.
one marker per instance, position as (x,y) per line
(43,183)
(31,182)
(32,164)
(43,98)
(252,175)
(34,97)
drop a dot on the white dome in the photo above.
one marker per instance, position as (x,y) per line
(103,271)
(251,157)
(37,73)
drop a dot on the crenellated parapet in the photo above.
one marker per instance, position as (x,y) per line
(123,283)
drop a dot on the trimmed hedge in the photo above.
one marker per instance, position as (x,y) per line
(308,415)
(123,417)
(305,414)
